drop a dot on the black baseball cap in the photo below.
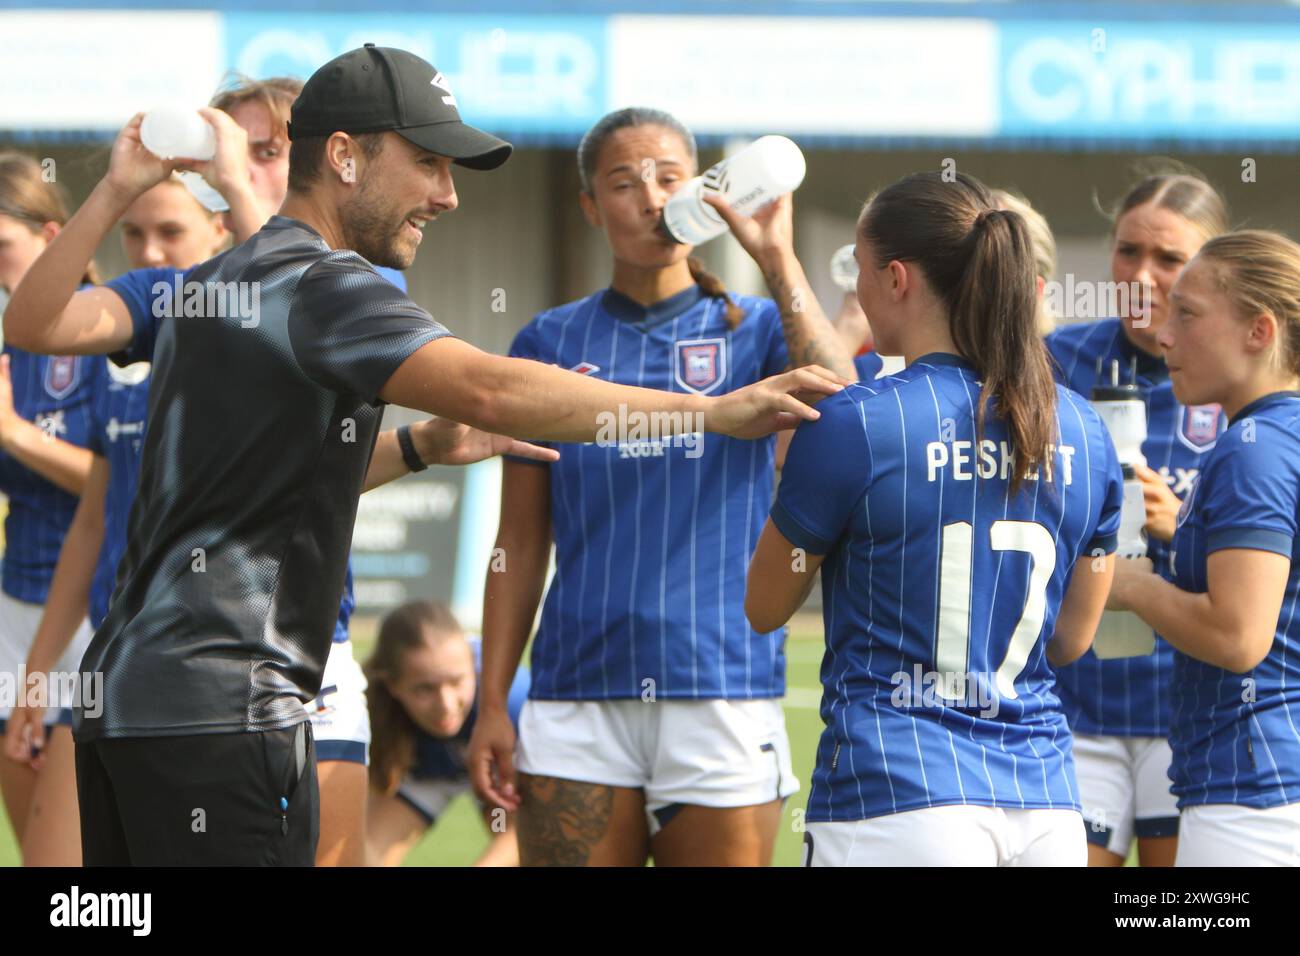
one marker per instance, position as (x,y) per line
(375,88)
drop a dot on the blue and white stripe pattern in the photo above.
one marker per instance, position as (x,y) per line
(652,538)
(1235,737)
(939,591)
(54,392)
(1130,696)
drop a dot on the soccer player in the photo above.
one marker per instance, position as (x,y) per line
(1119,706)
(44,403)
(1226,598)
(423,695)
(264,409)
(963,514)
(654,725)
(855,329)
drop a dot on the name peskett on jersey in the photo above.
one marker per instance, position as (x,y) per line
(940,591)
(263,413)
(1234,736)
(1130,696)
(653,535)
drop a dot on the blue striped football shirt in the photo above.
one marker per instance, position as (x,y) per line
(54,392)
(1130,696)
(1234,736)
(940,590)
(653,535)
(121,410)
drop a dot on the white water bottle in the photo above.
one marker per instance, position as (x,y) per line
(174,132)
(765,169)
(844,268)
(1121,408)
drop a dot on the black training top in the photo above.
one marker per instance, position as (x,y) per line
(263,413)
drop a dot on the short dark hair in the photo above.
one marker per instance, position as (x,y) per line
(307,154)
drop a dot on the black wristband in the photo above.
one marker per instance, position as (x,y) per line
(407,445)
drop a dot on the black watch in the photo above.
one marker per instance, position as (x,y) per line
(407,444)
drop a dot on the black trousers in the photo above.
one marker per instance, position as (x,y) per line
(245,799)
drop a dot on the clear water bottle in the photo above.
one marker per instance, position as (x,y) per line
(1122,409)
(765,169)
(174,132)
(844,268)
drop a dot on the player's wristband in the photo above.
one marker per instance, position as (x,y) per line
(407,445)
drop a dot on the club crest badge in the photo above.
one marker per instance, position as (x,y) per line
(701,364)
(1199,429)
(62,373)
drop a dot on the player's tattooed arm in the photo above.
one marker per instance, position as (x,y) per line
(810,339)
(768,237)
(561,821)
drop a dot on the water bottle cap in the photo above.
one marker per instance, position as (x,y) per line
(1117,393)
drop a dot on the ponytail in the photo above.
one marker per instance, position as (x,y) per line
(713,287)
(979,261)
(993,320)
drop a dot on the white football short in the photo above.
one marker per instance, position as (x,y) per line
(1124,788)
(340,720)
(1225,834)
(959,835)
(709,753)
(18,623)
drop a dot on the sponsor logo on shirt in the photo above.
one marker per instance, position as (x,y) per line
(115,428)
(585,368)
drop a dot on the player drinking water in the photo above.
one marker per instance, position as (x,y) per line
(1119,706)
(423,697)
(1228,592)
(44,404)
(963,513)
(654,725)
(217,635)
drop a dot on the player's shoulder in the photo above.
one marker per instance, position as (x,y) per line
(547,325)
(1263,436)
(756,307)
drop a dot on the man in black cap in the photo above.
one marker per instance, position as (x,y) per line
(261,428)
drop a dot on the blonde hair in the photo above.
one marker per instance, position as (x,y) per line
(25,195)
(276,93)
(1042,245)
(1260,273)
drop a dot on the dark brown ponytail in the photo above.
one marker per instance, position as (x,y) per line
(714,289)
(980,262)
